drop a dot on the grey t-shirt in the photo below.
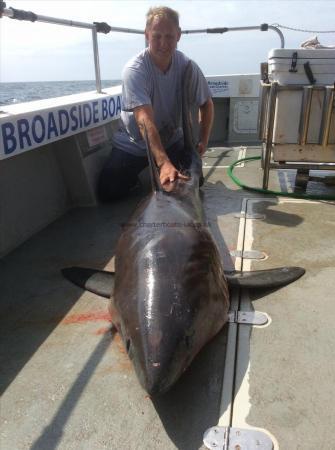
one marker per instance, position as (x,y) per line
(145,84)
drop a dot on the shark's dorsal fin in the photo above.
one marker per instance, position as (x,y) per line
(154,174)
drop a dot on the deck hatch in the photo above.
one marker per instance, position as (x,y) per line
(248,254)
(226,438)
(243,215)
(247,317)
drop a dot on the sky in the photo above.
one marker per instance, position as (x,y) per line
(45,52)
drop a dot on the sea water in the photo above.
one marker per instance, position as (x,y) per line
(20,92)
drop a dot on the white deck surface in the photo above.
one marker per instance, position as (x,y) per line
(67,383)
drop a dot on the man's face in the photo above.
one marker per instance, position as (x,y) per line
(162,36)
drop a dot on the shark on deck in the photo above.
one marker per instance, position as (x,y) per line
(169,293)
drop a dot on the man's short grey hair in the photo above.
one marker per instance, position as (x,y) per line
(162,12)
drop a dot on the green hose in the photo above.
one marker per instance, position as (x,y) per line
(267,191)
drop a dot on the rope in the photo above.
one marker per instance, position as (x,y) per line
(300,29)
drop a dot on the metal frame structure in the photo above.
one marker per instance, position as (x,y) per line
(268,100)
(102,27)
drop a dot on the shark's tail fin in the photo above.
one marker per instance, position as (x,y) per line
(188,119)
(190,112)
(187,116)
(154,175)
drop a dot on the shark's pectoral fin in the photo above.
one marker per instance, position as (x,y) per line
(99,282)
(268,278)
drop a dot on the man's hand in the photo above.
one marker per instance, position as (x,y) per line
(201,147)
(168,173)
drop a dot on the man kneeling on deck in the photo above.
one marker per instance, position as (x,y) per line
(152,99)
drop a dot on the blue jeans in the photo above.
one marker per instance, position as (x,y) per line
(120,174)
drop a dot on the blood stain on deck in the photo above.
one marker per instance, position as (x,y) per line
(88,317)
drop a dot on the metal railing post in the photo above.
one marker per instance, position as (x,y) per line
(13,13)
(328,112)
(262,108)
(305,114)
(96,59)
(269,134)
(220,30)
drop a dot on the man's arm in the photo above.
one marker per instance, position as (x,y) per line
(144,116)
(206,122)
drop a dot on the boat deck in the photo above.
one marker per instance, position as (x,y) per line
(67,383)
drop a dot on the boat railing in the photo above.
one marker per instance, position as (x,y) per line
(103,27)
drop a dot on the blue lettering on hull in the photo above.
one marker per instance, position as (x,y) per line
(35,130)
(9,140)
(38,129)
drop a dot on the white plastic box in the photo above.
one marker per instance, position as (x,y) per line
(286,66)
(321,61)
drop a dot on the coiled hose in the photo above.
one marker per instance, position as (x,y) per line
(268,191)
